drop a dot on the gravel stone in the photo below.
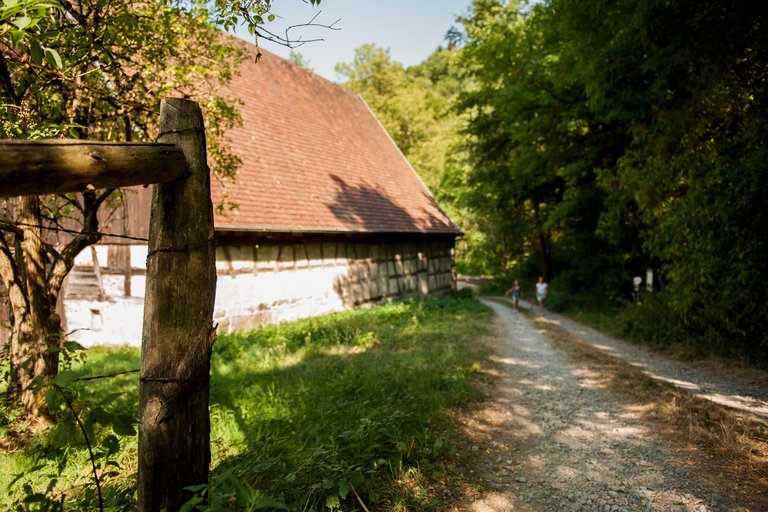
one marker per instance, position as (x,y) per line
(579,446)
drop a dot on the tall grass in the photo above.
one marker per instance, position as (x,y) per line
(322,414)
(326,409)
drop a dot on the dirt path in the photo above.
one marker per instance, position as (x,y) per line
(743,390)
(555,437)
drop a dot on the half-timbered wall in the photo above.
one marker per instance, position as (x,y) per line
(263,283)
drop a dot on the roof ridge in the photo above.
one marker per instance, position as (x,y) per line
(408,162)
(317,159)
(249,46)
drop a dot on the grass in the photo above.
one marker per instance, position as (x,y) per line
(323,414)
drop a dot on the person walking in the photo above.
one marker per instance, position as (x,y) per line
(541,293)
(516,292)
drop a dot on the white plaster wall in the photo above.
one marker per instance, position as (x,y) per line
(247,301)
(114,285)
(138,256)
(282,284)
(114,322)
(85,258)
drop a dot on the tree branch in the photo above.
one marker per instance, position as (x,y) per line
(286,39)
(89,236)
(11,228)
(8,274)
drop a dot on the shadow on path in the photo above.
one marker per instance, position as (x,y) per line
(555,438)
(746,398)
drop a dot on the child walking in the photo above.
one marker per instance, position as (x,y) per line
(541,293)
(516,292)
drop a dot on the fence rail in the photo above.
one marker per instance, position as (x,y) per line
(36,167)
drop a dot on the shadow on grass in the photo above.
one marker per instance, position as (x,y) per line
(339,417)
(123,388)
(320,411)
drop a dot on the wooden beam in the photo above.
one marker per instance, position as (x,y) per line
(178,334)
(35,167)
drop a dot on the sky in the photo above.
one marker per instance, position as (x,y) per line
(410,29)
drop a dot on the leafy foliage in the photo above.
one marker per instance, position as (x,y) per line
(612,137)
(91,431)
(354,403)
(413,104)
(92,69)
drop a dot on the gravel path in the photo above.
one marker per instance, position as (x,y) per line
(554,439)
(742,395)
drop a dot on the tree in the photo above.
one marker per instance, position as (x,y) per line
(418,107)
(298,59)
(622,136)
(96,69)
(400,104)
(695,106)
(518,126)
(414,113)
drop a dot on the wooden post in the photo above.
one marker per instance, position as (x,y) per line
(178,334)
(97,271)
(127,269)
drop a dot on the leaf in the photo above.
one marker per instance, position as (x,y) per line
(357,479)
(111,444)
(240,490)
(196,488)
(122,424)
(269,503)
(190,504)
(124,430)
(72,346)
(343,489)
(53,58)
(17,36)
(52,399)
(65,377)
(22,22)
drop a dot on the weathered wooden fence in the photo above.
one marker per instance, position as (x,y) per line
(178,334)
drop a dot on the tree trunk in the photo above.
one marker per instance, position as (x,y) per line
(504,255)
(36,334)
(545,247)
(178,334)
(33,273)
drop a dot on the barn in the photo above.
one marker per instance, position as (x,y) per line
(325,214)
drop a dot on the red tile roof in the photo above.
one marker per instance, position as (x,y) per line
(316,159)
